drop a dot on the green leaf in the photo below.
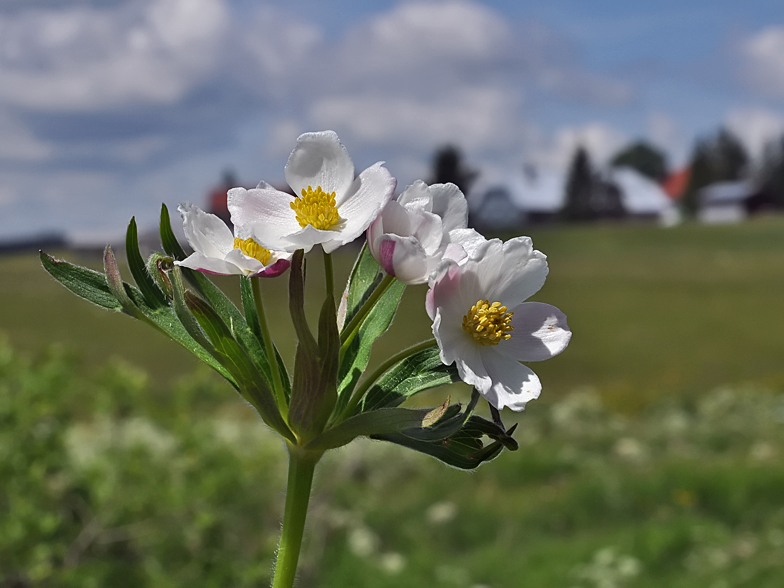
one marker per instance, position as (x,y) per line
(364,278)
(463,450)
(416,373)
(149,289)
(357,355)
(85,283)
(168,240)
(120,289)
(384,421)
(251,383)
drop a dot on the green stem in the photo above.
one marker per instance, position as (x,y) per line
(301,467)
(272,355)
(350,330)
(329,275)
(364,386)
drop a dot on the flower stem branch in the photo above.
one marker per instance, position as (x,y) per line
(300,480)
(365,385)
(350,330)
(329,275)
(277,382)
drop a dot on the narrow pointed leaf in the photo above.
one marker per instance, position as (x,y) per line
(149,289)
(168,240)
(85,283)
(120,290)
(251,383)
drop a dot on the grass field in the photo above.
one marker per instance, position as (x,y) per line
(654,457)
(655,312)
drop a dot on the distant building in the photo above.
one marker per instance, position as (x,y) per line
(725,202)
(502,201)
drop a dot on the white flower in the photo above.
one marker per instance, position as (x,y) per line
(415,232)
(331,208)
(482,324)
(218,251)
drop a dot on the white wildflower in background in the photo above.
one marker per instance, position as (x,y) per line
(331,206)
(483,325)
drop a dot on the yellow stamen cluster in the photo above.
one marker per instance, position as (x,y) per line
(316,208)
(252,249)
(488,323)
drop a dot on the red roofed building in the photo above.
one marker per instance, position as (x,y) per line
(676,183)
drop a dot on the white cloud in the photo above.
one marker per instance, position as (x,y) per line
(601,142)
(17,142)
(151,51)
(756,127)
(762,64)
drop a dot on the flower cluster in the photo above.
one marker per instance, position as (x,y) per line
(477,287)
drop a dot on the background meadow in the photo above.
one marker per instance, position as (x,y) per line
(653,458)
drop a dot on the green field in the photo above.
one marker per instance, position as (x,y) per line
(654,457)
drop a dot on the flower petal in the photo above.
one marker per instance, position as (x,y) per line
(513,384)
(210,265)
(516,273)
(369,193)
(206,233)
(266,212)
(403,258)
(320,159)
(540,332)
(450,204)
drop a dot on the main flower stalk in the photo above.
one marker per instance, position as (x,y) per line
(300,480)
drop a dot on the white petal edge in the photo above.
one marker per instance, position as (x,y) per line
(320,159)
(210,265)
(205,232)
(266,213)
(540,332)
(513,384)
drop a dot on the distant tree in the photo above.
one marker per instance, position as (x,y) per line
(644,158)
(718,158)
(448,166)
(578,205)
(770,177)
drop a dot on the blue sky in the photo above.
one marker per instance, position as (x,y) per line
(109,107)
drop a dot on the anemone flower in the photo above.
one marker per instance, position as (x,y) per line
(481,322)
(331,206)
(415,232)
(218,251)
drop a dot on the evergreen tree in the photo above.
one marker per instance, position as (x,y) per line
(578,204)
(448,167)
(644,158)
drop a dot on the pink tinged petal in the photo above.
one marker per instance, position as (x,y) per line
(210,265)
(320,159)
(540,332)
(205,232)
(369,193)
(403,258)
(513,384)
(274,270)
(386,252)
(266,213)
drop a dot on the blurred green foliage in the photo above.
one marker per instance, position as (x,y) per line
(654,457)
(106,484)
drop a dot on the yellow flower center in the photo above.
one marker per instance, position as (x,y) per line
(316,208)
(488,323)
(252,249)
